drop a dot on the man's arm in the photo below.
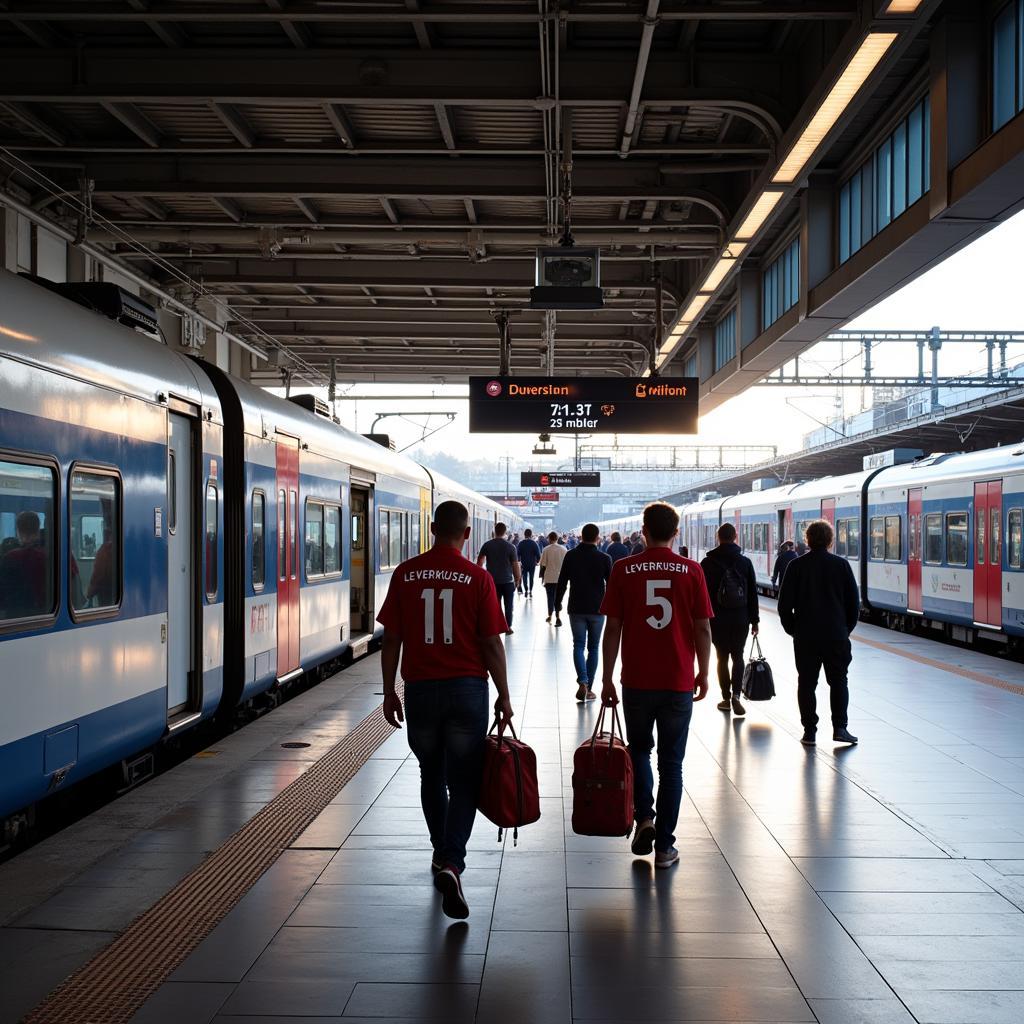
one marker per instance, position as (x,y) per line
(493,651)
(702,642)
(851,599)
(787,599)
(609,652)
(753,606)
(481,558)
(391,648)
(517,569)
(563,582)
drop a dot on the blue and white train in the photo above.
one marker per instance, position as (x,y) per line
(935,543)
(173,543)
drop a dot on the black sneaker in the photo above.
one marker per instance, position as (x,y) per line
(435,862)
(558,622)
(725,705)
(844,736)
(737,708)
(808,738)
(453,903)
(643,838)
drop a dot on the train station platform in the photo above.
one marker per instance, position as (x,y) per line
(268,882)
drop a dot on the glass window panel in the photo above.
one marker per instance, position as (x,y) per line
(893,547)
(95,540)
(1014,536)
(956,538)
(842,533)
(332,539)
(883,184)
(259,550)
(1004,66)
(926,144)
(915,154)
(282,535)
(867,206)
(211,530)
(172,491)
(878,538)
(899,169)
(384,539)
(844,223)
(995,552)
(395,538)
(415,535)
(913,538)
(933,538)
(853,539)
(314,539)
(28,497)
(855,215)
(979,536)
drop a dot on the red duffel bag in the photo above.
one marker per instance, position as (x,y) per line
(509,795)
(602,783)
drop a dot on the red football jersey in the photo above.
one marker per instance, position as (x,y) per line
(441,605)
(657,594)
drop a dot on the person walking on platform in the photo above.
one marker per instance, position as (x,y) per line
(617,549)
(551,559)
(638,545)
(658,609)
(732,586)
(786,555)
(503,565)
(819,607)
(441,614)
(585,573)
(529,556)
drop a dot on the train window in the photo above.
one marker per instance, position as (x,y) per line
(979,536)
(172,491)
(893,544)
(282,535)
(293,533)
(995,556)
(842,538)
(877,537)
(212,499)
(933,538)
(1014,538)
(314,538)
(95,540)
(28,499)
(395,538)
(259,548)
(416,526)
(332,539)
(956,538)
(384,548)
(853,538)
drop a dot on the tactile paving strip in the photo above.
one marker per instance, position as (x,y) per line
(111,987)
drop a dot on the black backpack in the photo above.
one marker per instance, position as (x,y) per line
(732,591)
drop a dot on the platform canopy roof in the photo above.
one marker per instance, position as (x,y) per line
(367,183)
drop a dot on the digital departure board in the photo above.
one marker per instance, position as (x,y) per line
(531,479)
(583,405)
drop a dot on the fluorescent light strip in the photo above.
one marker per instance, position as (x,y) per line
(855,74)
(759,213)
(725,264)
(903,6)
(693,310)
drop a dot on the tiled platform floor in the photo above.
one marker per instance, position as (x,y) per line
(876,885)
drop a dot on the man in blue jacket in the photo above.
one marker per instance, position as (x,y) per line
(529,555)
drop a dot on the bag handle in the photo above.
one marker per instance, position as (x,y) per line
(501,724)
(755,642)
(616,724)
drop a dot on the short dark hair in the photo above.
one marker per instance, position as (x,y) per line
(27,522)
(819,534)
(661,521)
(552,537)
(450,520)
(590,533)
(616,537)
(527,532)
(726,533)
(499,529)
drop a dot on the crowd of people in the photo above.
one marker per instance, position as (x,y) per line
(638,601)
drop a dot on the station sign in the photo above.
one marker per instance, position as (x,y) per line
(893,457)
(583,405)
(559,479)
(509,500)
(545,495)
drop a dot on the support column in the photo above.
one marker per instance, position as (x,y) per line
(817,234)
(705,352)
(8,239)
(748,306)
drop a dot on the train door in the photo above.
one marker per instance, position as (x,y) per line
(828,510)
(361,561)
(287,556)
(988,553)
(915,545)
(785,524)
(182,595)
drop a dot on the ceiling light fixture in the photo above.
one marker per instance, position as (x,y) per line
(903,6)
(759,213)
(726,262)
(855,74)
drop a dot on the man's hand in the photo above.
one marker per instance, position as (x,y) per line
(700,686)
(754,629)
(503,708)
(393,712)
(609,695)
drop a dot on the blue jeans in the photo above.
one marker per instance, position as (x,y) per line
(670,711)
(551,589)
(529,571)
(507,596)
(447,721)
(586,646)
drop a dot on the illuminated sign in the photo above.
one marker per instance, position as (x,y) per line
(583,405)
(545,496)
(559,479)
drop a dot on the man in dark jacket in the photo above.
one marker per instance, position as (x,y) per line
(529,556)
(617,549)
(585,572)
(732,586)
(819,607)
(786,555)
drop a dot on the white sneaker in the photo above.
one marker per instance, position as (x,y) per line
(666,858)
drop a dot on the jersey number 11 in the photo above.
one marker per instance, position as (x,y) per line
(447,597)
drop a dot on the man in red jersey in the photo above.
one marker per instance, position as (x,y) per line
(442,614)
(657,605)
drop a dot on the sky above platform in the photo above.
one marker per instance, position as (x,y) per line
(978,288)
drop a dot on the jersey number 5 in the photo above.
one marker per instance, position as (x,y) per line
(447,596)
(654,600)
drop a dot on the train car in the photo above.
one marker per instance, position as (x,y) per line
(174,543)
